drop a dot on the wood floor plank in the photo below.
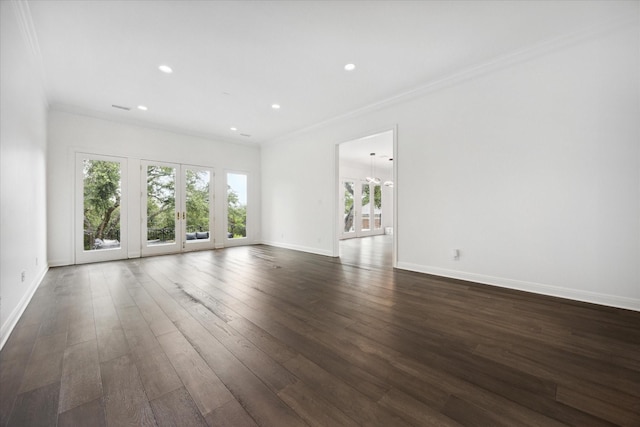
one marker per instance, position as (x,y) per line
(230,414)
(206,389)
(415,411)
(82,326)
(109,334)
(45,364)
(11,372)
(176,408)
(259,335)
(125,401)
(81,382)
(258,400)
(312,407)
(137,331)
(156,372)
(269,371)
(270,345)
(468,414)
(157,320)
(36,407)
(353,403)
(20,343)
(88,414)
(599,408)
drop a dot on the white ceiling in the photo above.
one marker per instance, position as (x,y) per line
(233,60)
(358,151)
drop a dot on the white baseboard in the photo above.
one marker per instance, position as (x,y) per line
(60,262)
(12,320)
(299,248)
(538,288)
(134,254)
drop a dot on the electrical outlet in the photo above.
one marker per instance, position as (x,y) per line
(23,275)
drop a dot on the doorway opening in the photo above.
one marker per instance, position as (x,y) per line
(366,198)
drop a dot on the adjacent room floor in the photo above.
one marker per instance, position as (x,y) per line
(265,336)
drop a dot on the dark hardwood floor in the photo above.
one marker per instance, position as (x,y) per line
(264,336)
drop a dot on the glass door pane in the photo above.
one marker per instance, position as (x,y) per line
(349,207)
(198,205)
(161,218)
(377,207)
(101,208)
(366,207)
(236,205)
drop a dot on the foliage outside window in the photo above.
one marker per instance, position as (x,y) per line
(236,206)
(197,200)
(102,188)
(161,204)
(348,206)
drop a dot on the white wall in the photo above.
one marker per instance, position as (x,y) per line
(531,167)
(23,115)
(71,133)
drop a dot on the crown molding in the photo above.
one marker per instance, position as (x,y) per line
(24,19)
(25,22)
(497,63)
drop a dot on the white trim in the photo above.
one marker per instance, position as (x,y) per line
(60,262)
(537,288)
(394,237)
(307,249)
(15,315)
(337,218)
(80,255)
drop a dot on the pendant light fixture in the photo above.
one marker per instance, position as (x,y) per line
(373,179)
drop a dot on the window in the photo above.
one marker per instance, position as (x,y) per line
(236,205)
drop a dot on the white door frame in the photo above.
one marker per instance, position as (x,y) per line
(110,254)
(338,220)
(165,248)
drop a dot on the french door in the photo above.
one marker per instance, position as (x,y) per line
(101,208)
(361,208)
(177,208)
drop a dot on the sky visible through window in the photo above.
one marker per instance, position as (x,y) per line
(238,183)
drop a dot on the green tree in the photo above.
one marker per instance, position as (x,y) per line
(236,215)
(161,197)
(349,208)
(197,185)
(101,200)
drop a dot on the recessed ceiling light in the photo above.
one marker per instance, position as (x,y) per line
(165,69)
(142,107)
(234,129)
(350,67)
(275,106)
